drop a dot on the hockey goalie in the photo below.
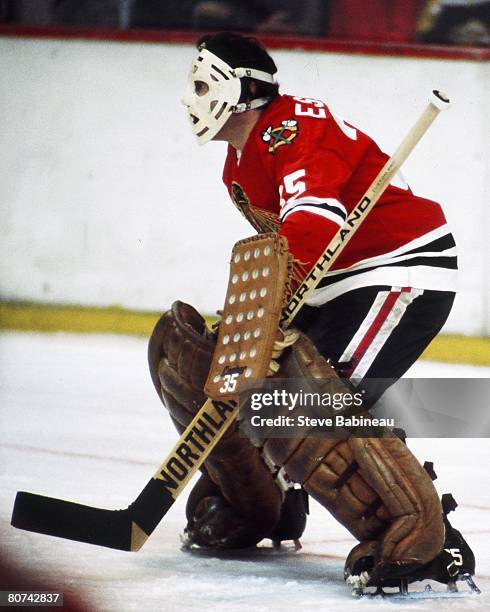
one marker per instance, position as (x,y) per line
(251,489)
(296,170)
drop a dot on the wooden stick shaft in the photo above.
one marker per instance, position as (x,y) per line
(195,444)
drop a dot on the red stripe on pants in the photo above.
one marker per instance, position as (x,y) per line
(375,326)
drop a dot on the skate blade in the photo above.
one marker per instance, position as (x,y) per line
(403,594)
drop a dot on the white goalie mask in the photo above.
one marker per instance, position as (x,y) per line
(210,106)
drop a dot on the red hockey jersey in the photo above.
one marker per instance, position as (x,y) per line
(303,170)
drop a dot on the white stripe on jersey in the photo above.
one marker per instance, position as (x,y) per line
(314,210)
(422,277)
(439,232)
(303,204)
(316,200)
(452,252)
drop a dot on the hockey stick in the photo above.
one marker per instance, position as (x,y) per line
(129,529)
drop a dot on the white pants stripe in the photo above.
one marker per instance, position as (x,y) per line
(384,315)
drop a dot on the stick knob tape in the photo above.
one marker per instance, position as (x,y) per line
(439,100)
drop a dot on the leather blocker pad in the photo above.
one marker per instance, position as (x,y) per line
(260,271)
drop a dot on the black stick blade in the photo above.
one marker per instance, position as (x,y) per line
(63,519)
(120,529)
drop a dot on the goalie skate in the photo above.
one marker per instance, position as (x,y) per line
(454,565)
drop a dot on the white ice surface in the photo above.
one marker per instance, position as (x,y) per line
(80,420)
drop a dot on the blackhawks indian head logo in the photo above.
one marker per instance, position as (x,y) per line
(285,134)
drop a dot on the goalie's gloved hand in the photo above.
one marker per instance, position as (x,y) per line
(286,339)
(214,523)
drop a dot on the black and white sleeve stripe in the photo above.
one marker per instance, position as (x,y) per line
(329,208)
